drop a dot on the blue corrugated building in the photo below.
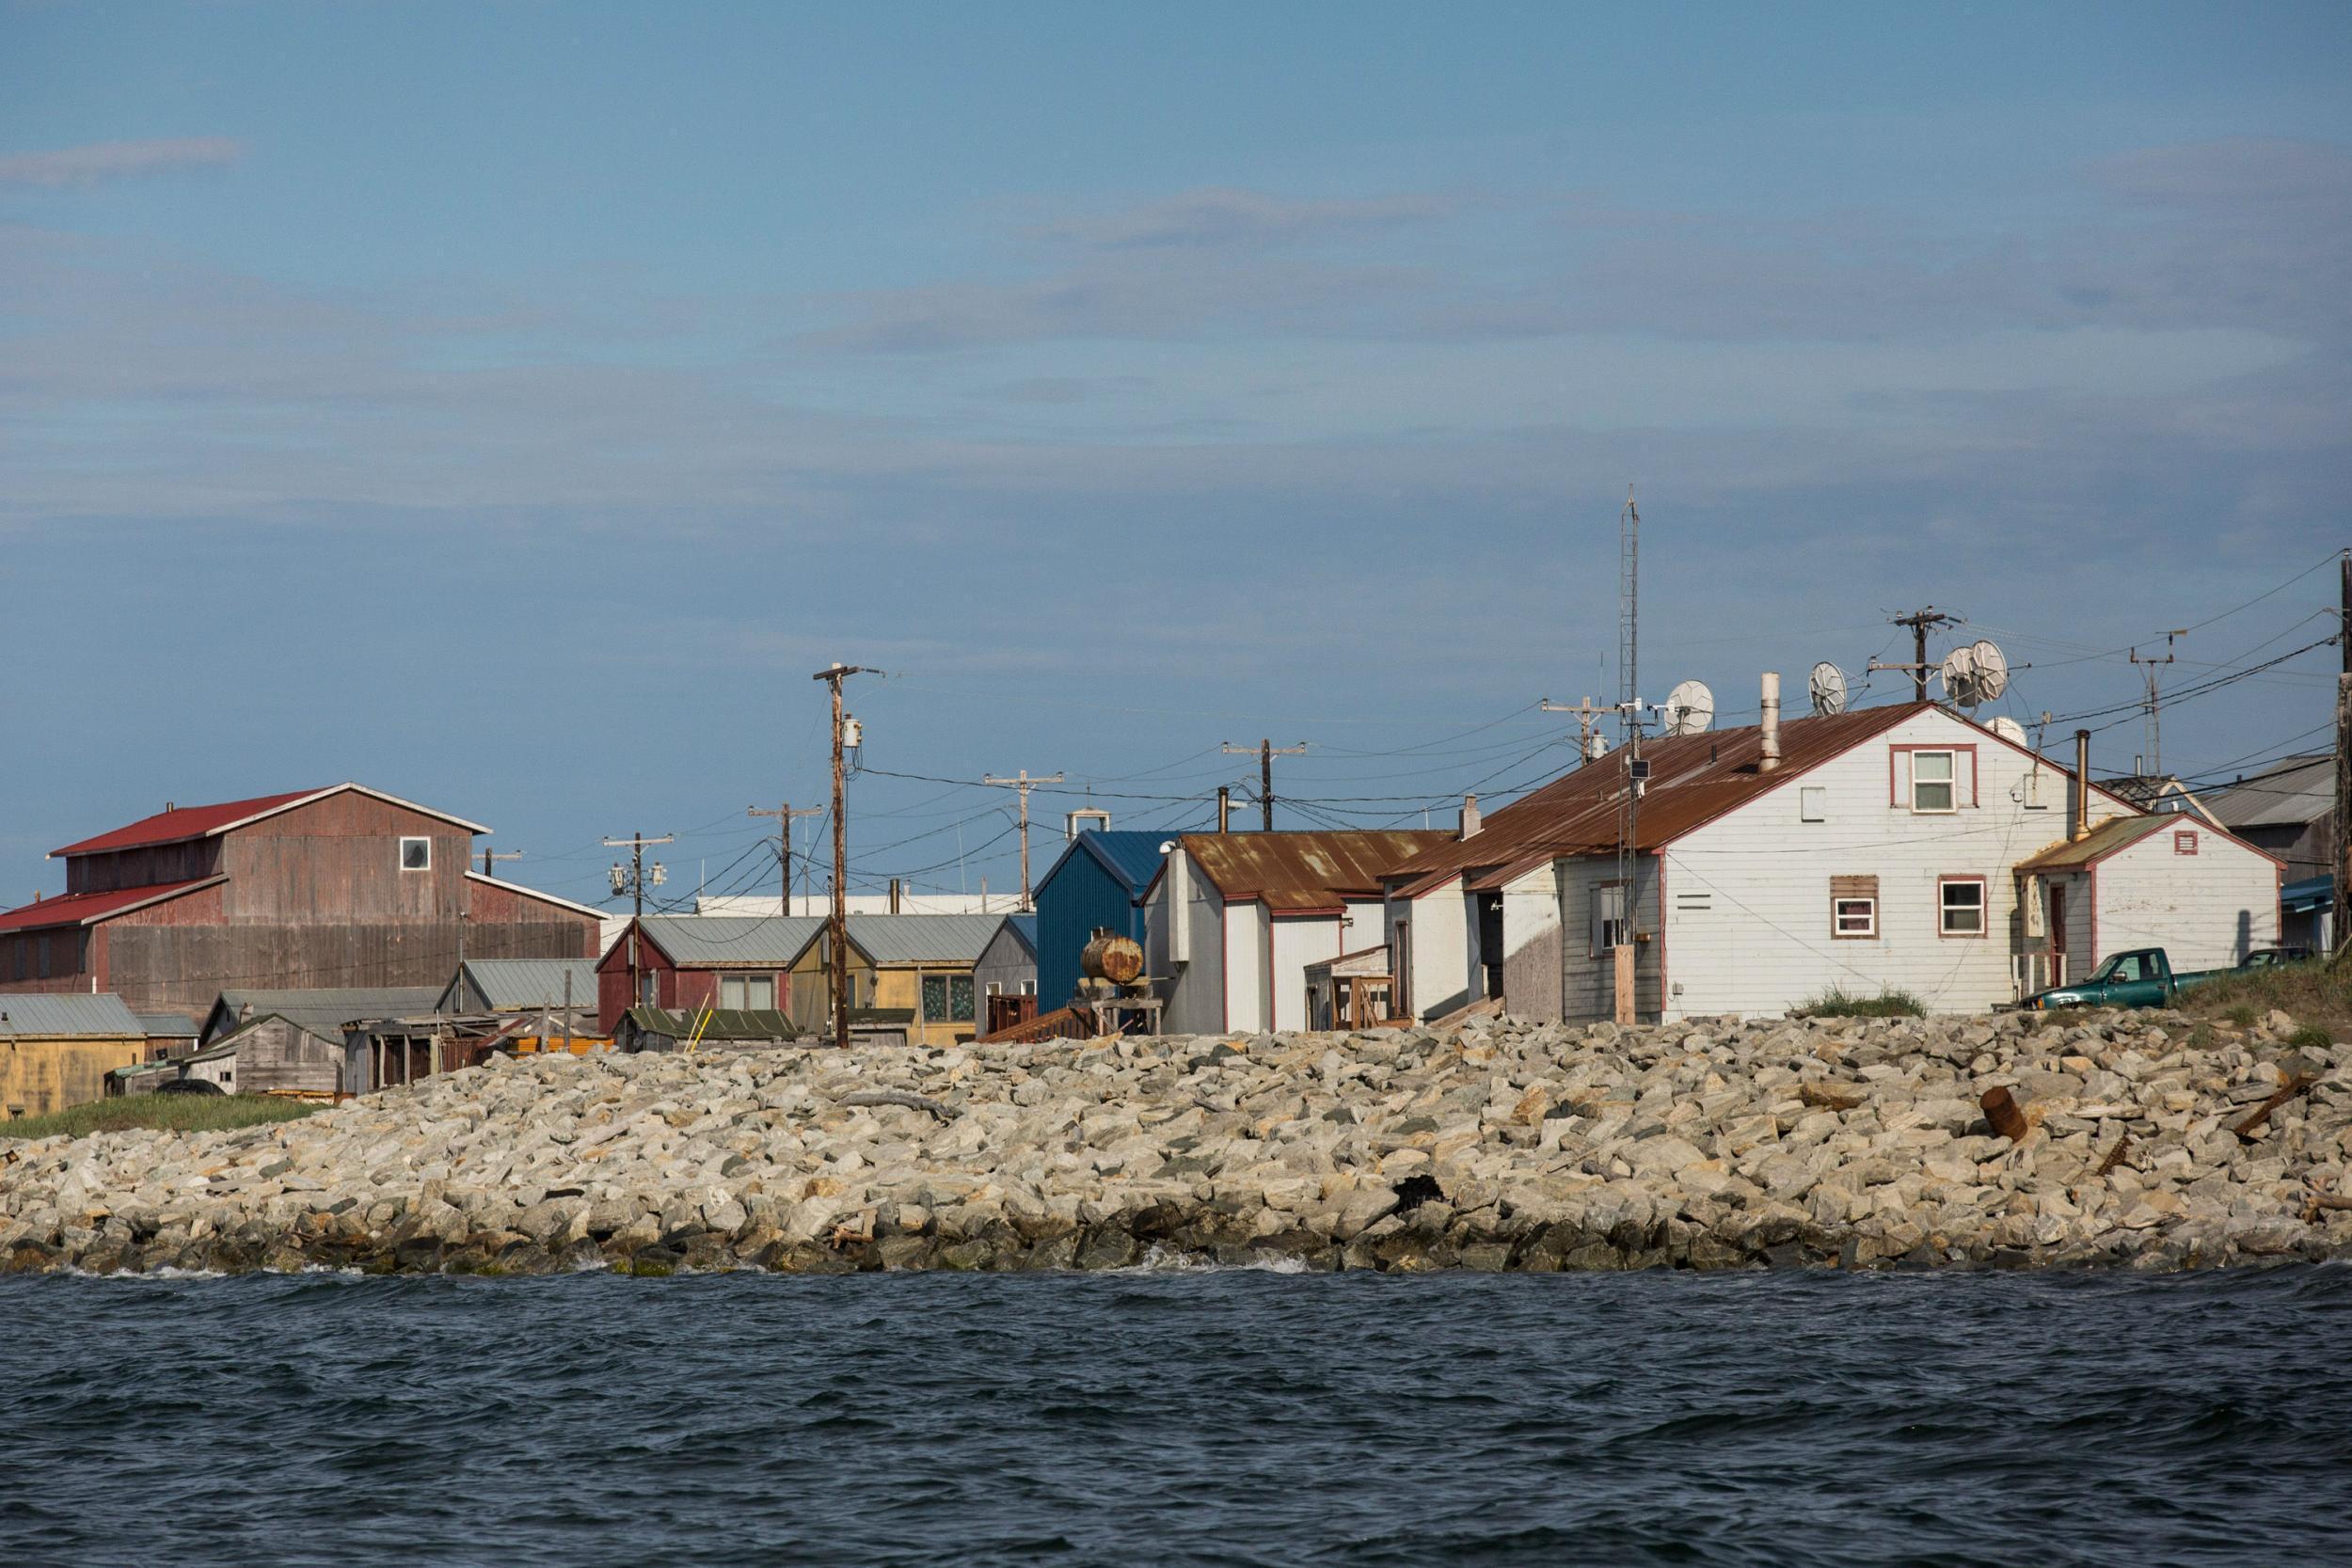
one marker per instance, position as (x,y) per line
(1098,882)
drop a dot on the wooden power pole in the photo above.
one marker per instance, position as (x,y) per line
(2340,855)
(1021,785)
(784,816)
(489,861)
(839,927)
(1266,752)
(633,881)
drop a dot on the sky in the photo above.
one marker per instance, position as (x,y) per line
(510,407)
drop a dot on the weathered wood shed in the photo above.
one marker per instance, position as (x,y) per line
(271,1054)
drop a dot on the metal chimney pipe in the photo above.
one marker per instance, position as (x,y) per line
(1770,760)
(1224,808)
(2082,784)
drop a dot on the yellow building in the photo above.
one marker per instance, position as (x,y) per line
(920,963)
(58,1047)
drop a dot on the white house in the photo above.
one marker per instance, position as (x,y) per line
(2170,880)
(1882,848)
(1233,921)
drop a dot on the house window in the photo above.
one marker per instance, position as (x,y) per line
(947,999)
(416,854)
(1813,803)
(1609,925)
(2185,842)
(1962,901)
(1931,780)
(740,992)
(1853,908)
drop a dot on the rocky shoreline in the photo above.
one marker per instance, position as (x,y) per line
(2139,1140)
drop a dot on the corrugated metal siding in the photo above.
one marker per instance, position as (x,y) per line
(1082,895)
(54,1014)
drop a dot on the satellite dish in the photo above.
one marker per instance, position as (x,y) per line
(1959,673)
(1991,677)
(2007,729)
(1690,709)
(1828,684)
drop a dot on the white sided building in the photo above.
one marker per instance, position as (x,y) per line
(1887,848)
(1233,921)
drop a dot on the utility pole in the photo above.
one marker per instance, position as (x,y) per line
(2339,856)
(1266,752)
(1021,784)
(1919,621)
(834,675)
(2156,734)
(633,879)
(489,861)
(1585,711)
(783,817)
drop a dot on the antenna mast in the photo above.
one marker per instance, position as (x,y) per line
(1629,747)
(2155,732)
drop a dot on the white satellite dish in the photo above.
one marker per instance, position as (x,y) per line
(1828,684)
(1990,675)
(1959,673)
(2007,729)
(1690,709)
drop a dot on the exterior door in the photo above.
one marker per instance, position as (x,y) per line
(2058,934)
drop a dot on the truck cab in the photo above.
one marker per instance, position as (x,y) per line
(2141,977)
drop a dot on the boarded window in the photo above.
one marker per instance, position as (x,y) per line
(1931,787)
(2185,842)
(1963,900)
(741,992)
(1608,918)
(1813,803)
(1854,906)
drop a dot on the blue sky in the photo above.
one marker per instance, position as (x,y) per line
(510,405)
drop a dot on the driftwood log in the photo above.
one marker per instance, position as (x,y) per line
(899,1097)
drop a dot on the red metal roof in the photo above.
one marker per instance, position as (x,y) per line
(1693,779)
(1298,873)
(81,909)
(173,827)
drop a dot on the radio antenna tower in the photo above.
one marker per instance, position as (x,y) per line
(1629,748)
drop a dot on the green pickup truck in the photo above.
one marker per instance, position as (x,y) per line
(2143,978)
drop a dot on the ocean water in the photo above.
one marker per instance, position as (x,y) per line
(1213,1416)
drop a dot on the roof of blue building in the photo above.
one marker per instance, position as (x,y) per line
(1133,858)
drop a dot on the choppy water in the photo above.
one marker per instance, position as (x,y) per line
(1226,1416)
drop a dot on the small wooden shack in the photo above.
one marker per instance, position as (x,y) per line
(270,1055)
(57,1049)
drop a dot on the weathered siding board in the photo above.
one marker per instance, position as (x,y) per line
(1297,942)
(339,857)
(1196,989)
(272,1056)
(1588,987)
(2206,910)
(1247,997)
(1763,940)
(1533,950)
(37,1076)
(1007,964)
(155,968)
(145,866)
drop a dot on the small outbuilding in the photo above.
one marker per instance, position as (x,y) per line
(270,1055)
(1097,884)
(2174,882)
(1007,975)
(737,963)
(57,1049)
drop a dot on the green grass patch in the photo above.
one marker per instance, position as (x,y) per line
(2317,993)
(178,1113)
(1837,1001)
(2313,1036)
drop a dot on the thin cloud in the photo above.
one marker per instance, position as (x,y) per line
(68,168)
(1217,215)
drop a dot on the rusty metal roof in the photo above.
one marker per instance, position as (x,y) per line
(1303,872)
(1693,779)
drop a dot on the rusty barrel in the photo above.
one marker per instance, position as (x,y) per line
(1111,957)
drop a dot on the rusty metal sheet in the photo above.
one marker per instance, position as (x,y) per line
(1305,872)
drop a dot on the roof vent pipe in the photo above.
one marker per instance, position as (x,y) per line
(2082,784)
(1471,823)
(1769,761)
